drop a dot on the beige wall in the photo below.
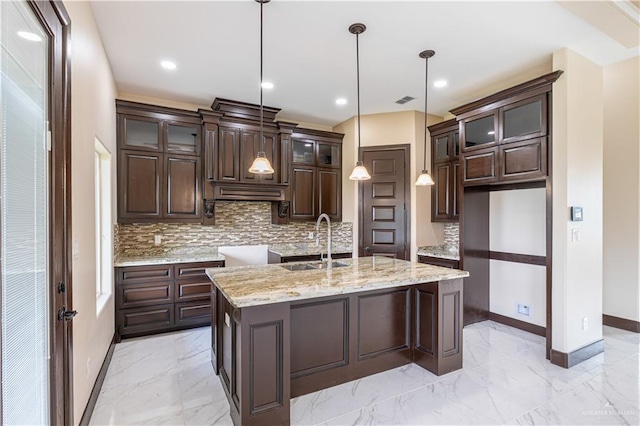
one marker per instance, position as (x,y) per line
(391,129)
(93,115)
(621,292)
(577,181)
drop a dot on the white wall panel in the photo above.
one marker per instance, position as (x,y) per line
(518,221)
(513,283)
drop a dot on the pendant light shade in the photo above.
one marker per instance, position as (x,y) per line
(360,171)
(261,165)
(425,179)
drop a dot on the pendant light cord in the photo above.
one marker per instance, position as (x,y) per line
(358,88)
(261,89)
(426,89)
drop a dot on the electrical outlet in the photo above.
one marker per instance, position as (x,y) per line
(585,323)
(310,236)
(157,239)
(75,249)
(523,309)
(88,368)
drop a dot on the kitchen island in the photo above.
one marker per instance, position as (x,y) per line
(281,331)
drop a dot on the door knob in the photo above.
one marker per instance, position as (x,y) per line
(63,314)
(367,249)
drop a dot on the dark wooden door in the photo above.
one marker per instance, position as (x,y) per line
(303,193)
(249,148)
(330,193)
(140,177)
(182,197)
(384,202)
(229,154)
(442,191)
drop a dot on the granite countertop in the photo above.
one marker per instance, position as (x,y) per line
(166,258)
(306,249)
(246,286)
(443,251)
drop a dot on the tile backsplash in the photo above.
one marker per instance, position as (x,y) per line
(452,234)
(238,223)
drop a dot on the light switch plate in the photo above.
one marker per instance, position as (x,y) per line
(575,235)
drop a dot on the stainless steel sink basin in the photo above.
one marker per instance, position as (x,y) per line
(312,266)
(326,265)
(298,267)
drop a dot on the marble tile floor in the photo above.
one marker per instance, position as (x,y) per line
(168,380)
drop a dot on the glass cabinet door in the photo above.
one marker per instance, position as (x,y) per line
(303,152)
(441,148)
(328,155)
(480,131)
(182,138)
(523,120)
(141,134)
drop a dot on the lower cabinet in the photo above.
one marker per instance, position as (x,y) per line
(157,298)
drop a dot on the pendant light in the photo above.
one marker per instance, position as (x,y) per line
(359,171)
(425,179)
(261,165)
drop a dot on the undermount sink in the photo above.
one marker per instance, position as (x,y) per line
(297,267)
(326,265)
(311,266)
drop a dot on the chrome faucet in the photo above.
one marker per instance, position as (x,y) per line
(325,216)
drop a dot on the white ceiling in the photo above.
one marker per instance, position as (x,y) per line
(310,55)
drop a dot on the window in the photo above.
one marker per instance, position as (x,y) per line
(104,238)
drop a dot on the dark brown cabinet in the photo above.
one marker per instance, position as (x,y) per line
(238,147)
(157,298)
(159,166)
(507,143)
(439,261)
(445,152)
(140,180)
(316,175)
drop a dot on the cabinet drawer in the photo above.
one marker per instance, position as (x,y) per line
(438,261)
(144,274)
(195,270)
(193,290)
(130,296)
(148,318)
(196,312)
(524,160)
(480,167)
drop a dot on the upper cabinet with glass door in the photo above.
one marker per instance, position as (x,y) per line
(479,131)
(144,127)
(524,120)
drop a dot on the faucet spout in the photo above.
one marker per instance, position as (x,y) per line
(326,217)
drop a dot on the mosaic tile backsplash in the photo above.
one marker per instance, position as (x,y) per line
(452,234)
(238,223)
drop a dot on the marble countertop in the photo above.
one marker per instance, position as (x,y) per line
(246,286)
(161,259)
(304,249)
(444,252)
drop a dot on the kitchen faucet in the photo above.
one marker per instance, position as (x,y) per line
(325,216)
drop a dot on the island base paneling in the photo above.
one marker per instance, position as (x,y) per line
(267,354)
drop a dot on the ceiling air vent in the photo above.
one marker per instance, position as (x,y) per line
(404,100)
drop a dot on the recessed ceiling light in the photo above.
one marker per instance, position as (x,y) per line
(440,83)
(168,65)
(29,36)
(267,85)
(341,101)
